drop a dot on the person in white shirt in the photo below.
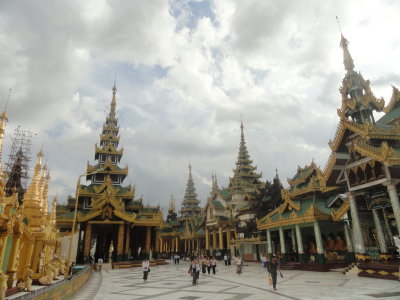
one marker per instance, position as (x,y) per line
(226,260)
(264,262)
(239,265)
(146,269)
(99,263)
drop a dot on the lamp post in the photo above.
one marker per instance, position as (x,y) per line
(66,276)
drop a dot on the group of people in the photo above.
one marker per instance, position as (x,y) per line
(207,264)
(203,264)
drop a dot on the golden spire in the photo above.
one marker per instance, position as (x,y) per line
(172,204)
(3,121)
(347,59)
(113,101)
(32,199)
(45,193)
(53,215)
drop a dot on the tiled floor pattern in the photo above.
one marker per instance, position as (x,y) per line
(173,282)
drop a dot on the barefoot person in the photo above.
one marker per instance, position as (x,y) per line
(239,265)
(273,270)
(146,269)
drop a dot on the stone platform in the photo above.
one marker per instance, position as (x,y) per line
(173,282)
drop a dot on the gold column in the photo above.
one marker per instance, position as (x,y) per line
(228,238)
(127,240)
(161,245)
(157,246)
(215,239)
(148,239)
(221,239)
(177,244)
(3,241)
(193,248)
(36,257)
(12,259)
(185,246)
(172,244)
(120,244)
(88,235)
(207,239)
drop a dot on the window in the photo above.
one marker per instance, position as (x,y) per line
(99,177)
(87,203)
(103,158)
(114,178)
(113,158)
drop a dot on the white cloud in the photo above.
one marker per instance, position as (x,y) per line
(185,78)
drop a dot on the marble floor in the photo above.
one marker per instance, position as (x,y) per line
(173,282)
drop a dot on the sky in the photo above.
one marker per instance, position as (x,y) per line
(187,72)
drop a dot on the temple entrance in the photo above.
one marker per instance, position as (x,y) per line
(104,241)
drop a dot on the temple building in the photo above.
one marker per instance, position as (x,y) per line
(230,213)
(351,209)
(111,224)
(184,234)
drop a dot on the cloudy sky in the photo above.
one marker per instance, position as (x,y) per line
(186,72)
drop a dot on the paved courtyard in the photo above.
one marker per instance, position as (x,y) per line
(173,282)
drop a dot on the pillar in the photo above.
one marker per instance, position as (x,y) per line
(300,248)
(349,242)
(207,240)
(357,233)
(387,226)
(293,240)
(318,241)
(221,238)
(86,245)
(214,239)
(185,246)
(120,244)
(379,232)
(157,242)
(127,242)
(282,242)
(228,238)
(148,240)
(12,259)
(394,200)
(192,246)
(177,244)
(269,242)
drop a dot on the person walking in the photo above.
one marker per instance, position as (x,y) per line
(273,270)
(264,262)
(203,265)
(208,263)
(213,264)
(99,263)
(194,270)
(146,269)
(239,265)
(226,260)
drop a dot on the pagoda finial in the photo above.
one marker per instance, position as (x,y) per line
(172,204)
(53,215)
(113,101)
(3,122)
(347,59)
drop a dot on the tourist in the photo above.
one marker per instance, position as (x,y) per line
(194,270)
(177,257)
(264,261)
(213,264)
(99,263)
(208,263)
(239,265)
(203,265)
(226,260)
(229,260)
(146,269)
(273,270)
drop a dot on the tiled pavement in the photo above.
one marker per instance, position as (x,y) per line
(173,282)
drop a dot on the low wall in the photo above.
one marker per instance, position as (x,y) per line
(61,290)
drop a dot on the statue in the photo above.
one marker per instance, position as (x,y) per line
(331,244)
(48,278)
(54,269)
(3,285)
(26,284)
(62,266)
(339,244)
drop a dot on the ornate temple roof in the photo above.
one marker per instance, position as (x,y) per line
(245,179)
(190,203)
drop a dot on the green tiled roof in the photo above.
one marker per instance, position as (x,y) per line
(225,193)
(217,204)
(390,116)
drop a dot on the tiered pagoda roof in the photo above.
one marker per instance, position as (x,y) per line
(245,180)
(190,204)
